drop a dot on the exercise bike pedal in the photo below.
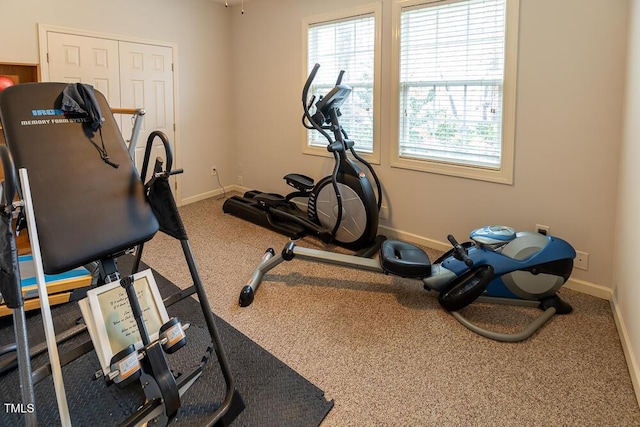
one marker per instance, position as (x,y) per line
(466,288)
(299,182)
(270,200)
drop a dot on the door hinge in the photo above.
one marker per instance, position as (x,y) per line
(172,67)
(174,127)
(47,57)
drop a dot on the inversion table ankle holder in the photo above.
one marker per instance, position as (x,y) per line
(90,209)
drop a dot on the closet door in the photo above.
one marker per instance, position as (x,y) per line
(130,75)
(80,59)
(146,81)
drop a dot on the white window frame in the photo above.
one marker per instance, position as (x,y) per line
(503,174)
(374,9)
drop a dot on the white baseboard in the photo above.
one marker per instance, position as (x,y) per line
(578,285)
(589,288)
(629,355)
(202,196)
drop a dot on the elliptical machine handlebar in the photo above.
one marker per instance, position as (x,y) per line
(306,105)
(307,85)
(318,126)
(327,107)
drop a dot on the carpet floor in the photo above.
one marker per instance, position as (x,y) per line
(384,350)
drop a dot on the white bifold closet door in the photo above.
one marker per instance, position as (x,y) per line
(129,74)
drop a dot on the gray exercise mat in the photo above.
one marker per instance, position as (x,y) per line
(274,394)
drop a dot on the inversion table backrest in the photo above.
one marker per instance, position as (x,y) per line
(85,209)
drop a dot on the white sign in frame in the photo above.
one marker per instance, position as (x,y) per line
(110,320)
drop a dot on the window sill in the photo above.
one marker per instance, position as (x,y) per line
(499,176)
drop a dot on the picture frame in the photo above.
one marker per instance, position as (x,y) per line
(109,318)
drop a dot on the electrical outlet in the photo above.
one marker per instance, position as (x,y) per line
(214,171)
(581,261)
(543,229)
(239,179)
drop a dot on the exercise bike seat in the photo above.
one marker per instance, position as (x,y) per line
(404,259)
(299,182)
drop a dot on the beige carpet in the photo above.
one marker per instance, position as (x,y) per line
(386,352)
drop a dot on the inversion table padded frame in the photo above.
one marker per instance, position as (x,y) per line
(85,210)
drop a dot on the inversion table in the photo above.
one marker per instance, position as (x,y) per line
(85,203)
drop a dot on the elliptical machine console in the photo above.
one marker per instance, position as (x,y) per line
(342,208)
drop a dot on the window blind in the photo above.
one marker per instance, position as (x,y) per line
(346,44)
(451,82)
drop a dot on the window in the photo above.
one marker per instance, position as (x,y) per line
(347,41)
(456,87)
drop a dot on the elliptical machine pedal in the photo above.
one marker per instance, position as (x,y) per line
(300,182)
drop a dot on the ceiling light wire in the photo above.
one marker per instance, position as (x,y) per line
(226,4)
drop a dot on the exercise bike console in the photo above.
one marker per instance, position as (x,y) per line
(493,236)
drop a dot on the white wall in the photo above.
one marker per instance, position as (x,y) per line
(239,83)
(202,32)
(570,91)
(626,292)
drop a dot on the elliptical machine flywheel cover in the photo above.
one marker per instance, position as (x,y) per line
(359,223)
(466,288)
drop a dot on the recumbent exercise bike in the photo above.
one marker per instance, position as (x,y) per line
(342,208)
(497,266)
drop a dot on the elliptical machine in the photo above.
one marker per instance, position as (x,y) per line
(342,208)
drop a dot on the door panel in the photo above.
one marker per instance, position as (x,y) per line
(80,59)
(146,77)
(129,74)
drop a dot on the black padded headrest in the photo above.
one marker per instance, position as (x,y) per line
(85,209)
